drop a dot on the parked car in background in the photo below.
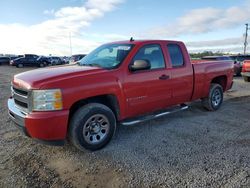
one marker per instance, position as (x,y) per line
(246,70)
(237,66)
(77,57)
(66,59)
(220,58)
(239,60)
(43,59)
(54,60)
(27,60)
(15,57)
(4,60)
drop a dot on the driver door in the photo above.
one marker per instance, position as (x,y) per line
(148,90)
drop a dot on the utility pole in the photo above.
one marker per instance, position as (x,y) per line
(245,42)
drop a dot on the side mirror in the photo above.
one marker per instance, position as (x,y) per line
(140,65)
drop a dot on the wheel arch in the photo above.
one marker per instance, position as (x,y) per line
(108,100)
(221,80)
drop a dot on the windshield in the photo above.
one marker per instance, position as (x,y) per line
(107,56)
(39,58)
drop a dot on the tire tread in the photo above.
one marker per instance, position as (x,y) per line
(206,102)
(77,117)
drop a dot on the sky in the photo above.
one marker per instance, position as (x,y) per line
(49,27)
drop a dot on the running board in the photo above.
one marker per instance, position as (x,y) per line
(141,119)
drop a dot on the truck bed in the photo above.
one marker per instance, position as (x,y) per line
(205,70)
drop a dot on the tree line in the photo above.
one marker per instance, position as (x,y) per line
(207,53)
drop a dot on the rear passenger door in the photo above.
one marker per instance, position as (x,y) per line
(181,72)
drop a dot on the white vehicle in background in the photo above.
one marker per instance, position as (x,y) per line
(55,60)
(75,58)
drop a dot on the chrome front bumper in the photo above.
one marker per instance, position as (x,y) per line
(16,114)
(18,117)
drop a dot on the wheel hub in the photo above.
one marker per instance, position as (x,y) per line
(96,129)
(216,98)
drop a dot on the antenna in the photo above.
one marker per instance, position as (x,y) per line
(131,39)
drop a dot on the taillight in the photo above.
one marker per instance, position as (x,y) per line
(243,69)
(246,67)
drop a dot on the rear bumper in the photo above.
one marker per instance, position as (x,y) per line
(48,127)
(12,63)
(246,74)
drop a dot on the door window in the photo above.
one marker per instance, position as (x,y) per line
(153,54)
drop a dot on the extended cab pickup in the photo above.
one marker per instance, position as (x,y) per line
(126,82)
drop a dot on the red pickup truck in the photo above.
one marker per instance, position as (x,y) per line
(122,82)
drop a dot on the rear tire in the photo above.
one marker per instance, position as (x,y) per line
(238,73)
(214,99)
(92,127)
(246,79)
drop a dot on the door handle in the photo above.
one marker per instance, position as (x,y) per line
(164,77)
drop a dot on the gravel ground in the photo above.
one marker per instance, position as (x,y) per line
(193,148)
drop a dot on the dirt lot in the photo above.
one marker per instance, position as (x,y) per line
(194,148)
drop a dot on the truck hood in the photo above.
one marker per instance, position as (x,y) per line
(34,79)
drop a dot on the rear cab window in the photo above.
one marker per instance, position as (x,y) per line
(176,55)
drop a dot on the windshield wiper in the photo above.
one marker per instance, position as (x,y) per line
(90,65)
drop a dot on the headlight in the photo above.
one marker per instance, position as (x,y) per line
(47,100)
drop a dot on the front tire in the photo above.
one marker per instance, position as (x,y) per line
(41,65)
(92,127)
(20,65)
(214,99)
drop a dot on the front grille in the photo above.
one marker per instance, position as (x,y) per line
(22,104)
(21,92)
(21,98)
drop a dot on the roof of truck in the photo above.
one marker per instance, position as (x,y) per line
(134,41)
